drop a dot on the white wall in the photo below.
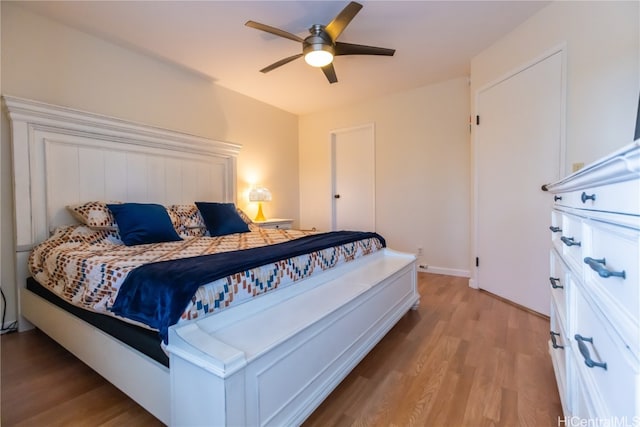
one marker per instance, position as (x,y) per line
(603,69)
(422,170)
(47,61)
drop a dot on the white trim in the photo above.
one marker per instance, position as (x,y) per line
(83,122)
(457,272)
(560,48)
(622,165)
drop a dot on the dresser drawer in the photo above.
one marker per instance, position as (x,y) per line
(556,230)
(559,284)
(611,274)
(610,381)
(571,241)
(559,345)
(581,406)
(621,197)
(558,361)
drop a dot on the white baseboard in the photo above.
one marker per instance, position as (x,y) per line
(444,270)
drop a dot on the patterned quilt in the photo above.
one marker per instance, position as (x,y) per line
(86,267)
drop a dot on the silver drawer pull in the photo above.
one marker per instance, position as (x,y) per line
(554,344)
(554,283)
(598,265)
(555,229)
(585,352)
(569,241)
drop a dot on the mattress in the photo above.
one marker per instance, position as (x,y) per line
(86,267)
(142,339)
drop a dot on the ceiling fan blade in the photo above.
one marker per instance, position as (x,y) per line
(359,49)
(280,63)
(273,30)
(330,72)
(340,22)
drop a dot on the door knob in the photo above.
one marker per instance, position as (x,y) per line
(336,196)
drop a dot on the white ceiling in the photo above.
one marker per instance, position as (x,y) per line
(434,41)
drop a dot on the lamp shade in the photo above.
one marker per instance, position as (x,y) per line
(260,194)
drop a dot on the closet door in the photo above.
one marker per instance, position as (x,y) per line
(353,170)
(518,143)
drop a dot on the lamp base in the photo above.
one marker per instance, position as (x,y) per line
(260,215)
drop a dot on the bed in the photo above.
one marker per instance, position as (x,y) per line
(268,360)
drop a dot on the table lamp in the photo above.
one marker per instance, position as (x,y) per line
(260,194)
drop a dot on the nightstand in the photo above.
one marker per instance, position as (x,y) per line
(282,223)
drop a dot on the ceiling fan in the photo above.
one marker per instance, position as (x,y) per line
(321,46)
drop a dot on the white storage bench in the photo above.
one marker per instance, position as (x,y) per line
(273,361)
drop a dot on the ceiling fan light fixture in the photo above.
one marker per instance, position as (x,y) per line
(318,55)
(321,45)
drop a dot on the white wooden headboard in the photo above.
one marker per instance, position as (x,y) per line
(63,156)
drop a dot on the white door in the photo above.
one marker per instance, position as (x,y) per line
(518,146)
(353,161)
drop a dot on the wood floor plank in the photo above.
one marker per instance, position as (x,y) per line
(464,358)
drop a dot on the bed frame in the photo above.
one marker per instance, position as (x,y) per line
(270,361)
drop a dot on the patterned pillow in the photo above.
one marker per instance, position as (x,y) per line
(246,219)
(94,214)
(244,216)
(187,220)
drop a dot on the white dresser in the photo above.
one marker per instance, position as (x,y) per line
(595,305)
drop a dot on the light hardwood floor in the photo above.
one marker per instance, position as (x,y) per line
(464,358)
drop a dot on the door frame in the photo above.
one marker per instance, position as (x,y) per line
(333,134)
(562,49)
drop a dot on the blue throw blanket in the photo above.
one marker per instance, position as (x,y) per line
(156,294)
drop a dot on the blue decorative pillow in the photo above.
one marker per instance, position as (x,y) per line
(142,223)
(222,218)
